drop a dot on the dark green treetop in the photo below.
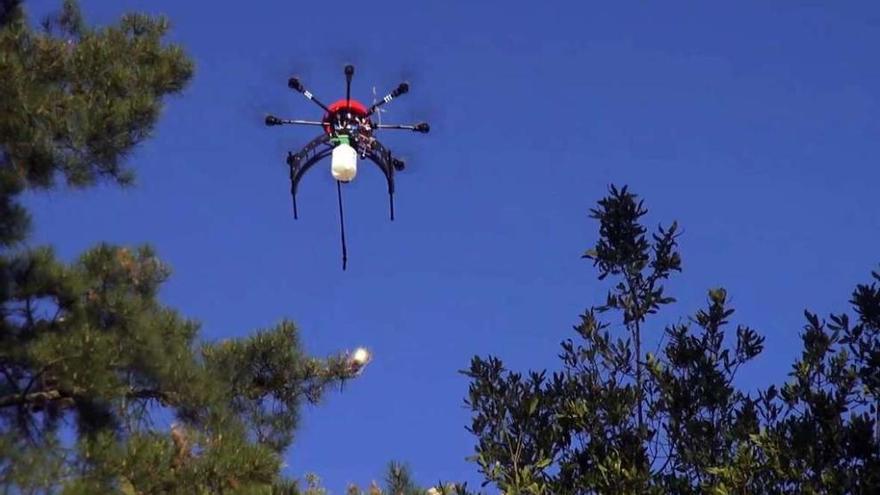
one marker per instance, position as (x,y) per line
(93,367)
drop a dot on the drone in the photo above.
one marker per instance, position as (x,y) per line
(348,134)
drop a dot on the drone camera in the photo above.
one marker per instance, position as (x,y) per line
(422,127)
(294,83)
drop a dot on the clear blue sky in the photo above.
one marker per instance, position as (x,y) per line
(755,126)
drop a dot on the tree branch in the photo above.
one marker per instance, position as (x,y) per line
(31,398)
(24,399)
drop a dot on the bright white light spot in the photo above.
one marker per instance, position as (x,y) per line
(360,356)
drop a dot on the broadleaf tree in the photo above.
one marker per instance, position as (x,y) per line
(619,418)
(93,366)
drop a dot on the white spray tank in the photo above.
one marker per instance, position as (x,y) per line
(343,161)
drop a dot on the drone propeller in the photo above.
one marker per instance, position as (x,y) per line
(272,120)
(422,127)
(404,159)
(348,54)
(257,103)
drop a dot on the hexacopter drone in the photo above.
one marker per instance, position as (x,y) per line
(347,135)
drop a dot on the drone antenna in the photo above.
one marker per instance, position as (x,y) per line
(403,88)
(379,111)
(342,225)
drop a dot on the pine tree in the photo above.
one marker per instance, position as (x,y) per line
(399,481)
(92,364)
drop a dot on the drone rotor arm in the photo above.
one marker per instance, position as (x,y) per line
(421,127)
(349,72)
(272,120)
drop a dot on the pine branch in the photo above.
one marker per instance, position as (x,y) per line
(68,397)
(32,398)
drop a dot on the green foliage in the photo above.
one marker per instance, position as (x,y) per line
(74,101)
(616,419)
(93,366)
(398,481)
(824,434)
(90,342)
(268,376)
